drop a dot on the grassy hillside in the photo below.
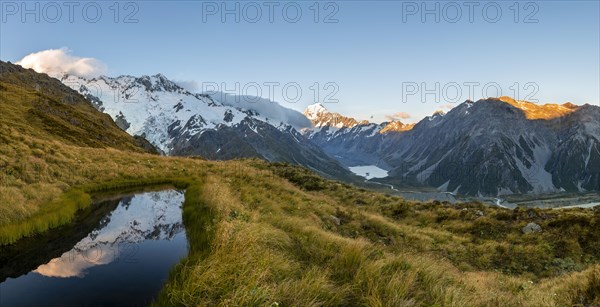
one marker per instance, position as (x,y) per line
(39,106)
(40,121)
(264,233)
(284,235)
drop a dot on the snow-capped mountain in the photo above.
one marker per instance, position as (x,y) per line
(321,117)
(215,126)
(488,147)
(351,141)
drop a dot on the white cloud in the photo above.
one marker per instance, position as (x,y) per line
(58,61)
(191,86)
(448,106)
(265,107)
(398,116)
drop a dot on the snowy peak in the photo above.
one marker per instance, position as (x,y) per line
(154,83)
(161,111)
(127,83)
(216,126)
(154,107)
(159,82)
(313,111)
(321,117)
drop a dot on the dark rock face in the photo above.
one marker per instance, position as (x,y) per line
(488,147)
(575,161)
(228,116)
(147,146)
(178,107)
(97,103)
(161,84)
(470,151)
(358,145)
(256,139)
(122,122)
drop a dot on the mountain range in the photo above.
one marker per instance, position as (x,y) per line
(218,126)
(489,147)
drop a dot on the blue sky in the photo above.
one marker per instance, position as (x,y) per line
(371,56)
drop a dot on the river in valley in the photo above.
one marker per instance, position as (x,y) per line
(118,252)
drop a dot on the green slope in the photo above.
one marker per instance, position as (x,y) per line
(274,234)
(43,107)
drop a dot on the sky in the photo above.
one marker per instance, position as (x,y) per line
(375,60)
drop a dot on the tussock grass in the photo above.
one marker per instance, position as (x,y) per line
(273,234)
(277,243)
(257,238)
(58,212)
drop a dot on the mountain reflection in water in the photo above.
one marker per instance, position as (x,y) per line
(125,259)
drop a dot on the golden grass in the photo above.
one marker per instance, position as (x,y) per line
(270,234)
(276,244)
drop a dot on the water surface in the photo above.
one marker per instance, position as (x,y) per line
(369,171)
(118,253)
